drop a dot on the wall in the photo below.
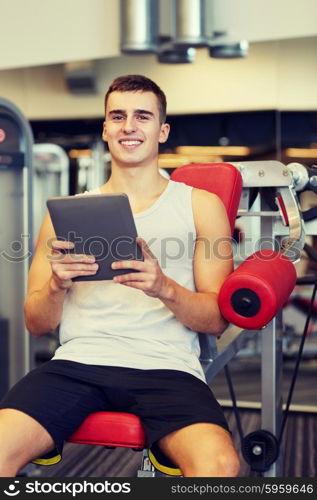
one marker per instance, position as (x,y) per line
(260,20)
(42,32)
(39,36)
(275,75)
(37,32)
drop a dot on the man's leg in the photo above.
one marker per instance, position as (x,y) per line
(202,450)
(22,439)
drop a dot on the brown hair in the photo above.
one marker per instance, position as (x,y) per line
(134,83)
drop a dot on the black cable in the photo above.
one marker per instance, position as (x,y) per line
(309,279)
(309,214)
(311,252)
(234,402)
(298,360)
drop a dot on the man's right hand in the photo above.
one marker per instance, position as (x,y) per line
(66,266)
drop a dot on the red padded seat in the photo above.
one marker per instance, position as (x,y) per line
(110,428)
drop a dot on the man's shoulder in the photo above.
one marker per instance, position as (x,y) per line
(205,198)
(208,208)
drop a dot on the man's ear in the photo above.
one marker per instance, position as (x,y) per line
(164,133)
(104,131)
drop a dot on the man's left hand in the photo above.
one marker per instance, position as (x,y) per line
(150,277)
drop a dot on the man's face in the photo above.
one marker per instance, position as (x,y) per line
(132,128)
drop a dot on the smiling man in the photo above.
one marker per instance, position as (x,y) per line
(130,344)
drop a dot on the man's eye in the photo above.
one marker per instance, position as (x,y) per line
(117,117)
(143,117)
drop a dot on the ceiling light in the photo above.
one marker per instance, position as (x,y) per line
(176,55)
(229,50)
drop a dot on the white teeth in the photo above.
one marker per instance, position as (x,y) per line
(130,143)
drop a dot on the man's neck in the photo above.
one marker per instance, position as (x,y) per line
(136,182)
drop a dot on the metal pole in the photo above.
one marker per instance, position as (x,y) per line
(271,381)
(271,363)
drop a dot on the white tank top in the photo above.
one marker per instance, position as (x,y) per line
(105,323)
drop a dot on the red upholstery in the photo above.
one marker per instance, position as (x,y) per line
(222,179)
(271,276)
(111,429)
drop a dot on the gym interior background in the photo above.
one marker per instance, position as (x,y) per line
(257,102)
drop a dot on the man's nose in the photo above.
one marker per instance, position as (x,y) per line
(129,124)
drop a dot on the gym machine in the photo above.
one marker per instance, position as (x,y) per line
(269,201)
(16,141)
(92,166)
(50,178)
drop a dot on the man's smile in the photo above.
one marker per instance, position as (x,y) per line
(130,143)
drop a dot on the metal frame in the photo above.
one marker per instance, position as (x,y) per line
(216,353)
(19,338)
(50,162)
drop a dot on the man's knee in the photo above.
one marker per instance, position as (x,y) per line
(228,464)
(225,464)
(10,458)
(22,439)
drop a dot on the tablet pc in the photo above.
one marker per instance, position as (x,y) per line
(101,225)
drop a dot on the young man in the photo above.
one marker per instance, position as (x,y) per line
(129,344)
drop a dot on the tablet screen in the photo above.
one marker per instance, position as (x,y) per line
(101,225)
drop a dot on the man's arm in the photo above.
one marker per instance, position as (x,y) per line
(212,264)
(50,277)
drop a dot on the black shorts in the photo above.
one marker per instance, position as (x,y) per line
(61,394)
